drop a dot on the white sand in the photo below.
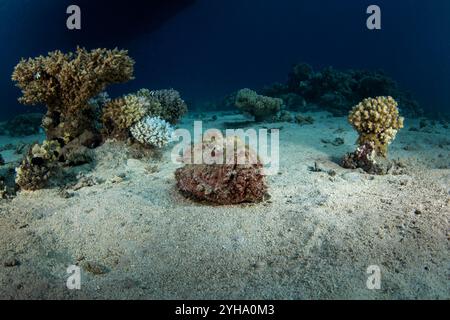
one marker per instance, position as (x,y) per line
(315,238)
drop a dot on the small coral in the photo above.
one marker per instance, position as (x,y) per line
(224,184)
(377,121)
(173,108)
(152,131)
(120,114)
(261,107)
(38,165)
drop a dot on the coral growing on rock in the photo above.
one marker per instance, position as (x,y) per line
(66,82)
(38,165)
(377,121)
(152,131)
(227,183)
(261,107)
(363,157)
(366,158)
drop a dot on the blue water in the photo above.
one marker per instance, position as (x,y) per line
(209,48)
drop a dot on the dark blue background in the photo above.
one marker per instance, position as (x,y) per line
(213,47)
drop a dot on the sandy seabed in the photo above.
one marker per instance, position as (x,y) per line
(136,237)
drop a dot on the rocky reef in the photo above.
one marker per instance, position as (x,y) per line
(226,183)
(336,91)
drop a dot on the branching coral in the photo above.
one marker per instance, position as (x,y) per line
(172,106)
(377,121)
(66,82)
(261,107)
(38,165)
(152,131)
(120,114)
(225,184)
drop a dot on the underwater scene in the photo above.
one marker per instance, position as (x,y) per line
(224,150)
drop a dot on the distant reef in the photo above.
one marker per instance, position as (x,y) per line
(337,91)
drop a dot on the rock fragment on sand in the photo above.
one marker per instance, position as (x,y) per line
(116,180)
(336,142)
(11,262)
(94,268)
(135,165)
(352,177)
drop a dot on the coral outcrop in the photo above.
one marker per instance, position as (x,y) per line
(152,131)
(261,107)
(377,121)
(2,161)
(38,165)
(227,183)
(66,82)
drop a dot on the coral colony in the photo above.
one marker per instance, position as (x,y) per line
(81,116)
(377,122)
